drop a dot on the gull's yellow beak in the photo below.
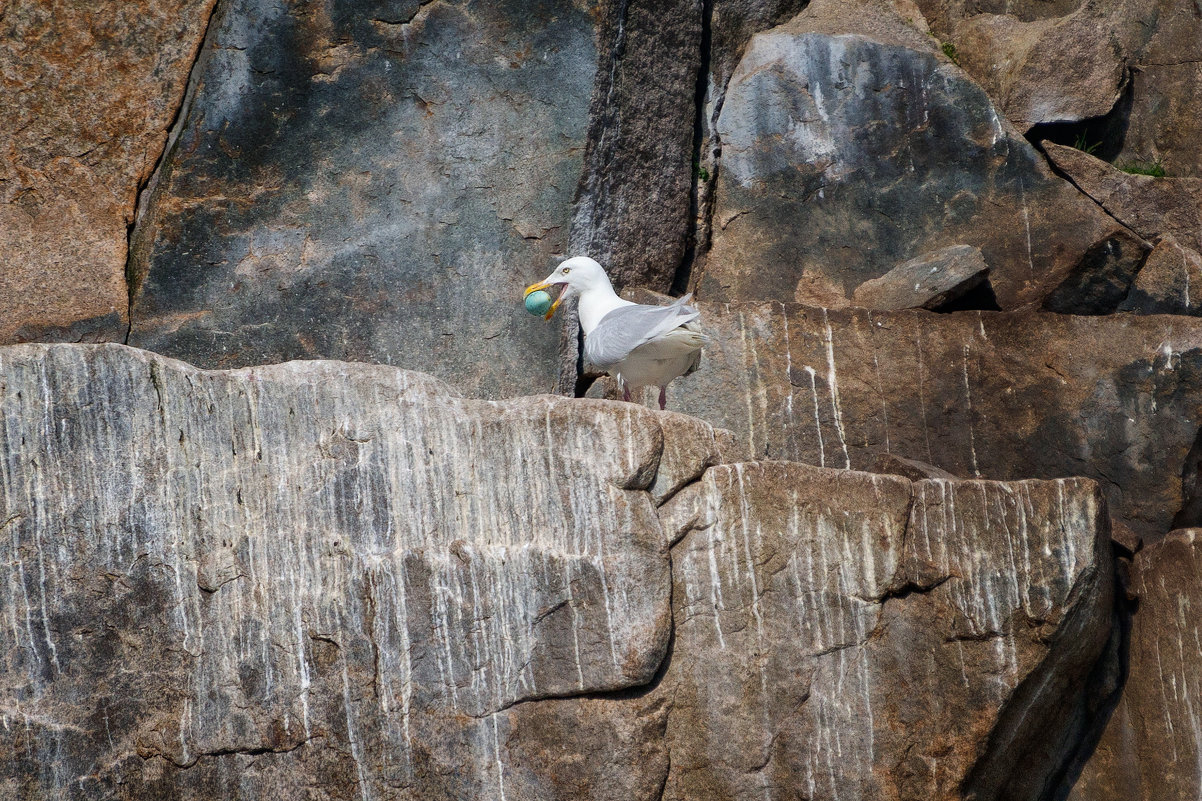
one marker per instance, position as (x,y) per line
(546,285)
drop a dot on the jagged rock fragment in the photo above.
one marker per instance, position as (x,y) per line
(926,282)
(1152,207)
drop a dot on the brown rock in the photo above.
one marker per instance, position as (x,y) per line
(995,395)
(88,93)
(1168,283)
(1048,69)
(926,282)
(1150,206)
(1151,749)
(848,635)
(1126,72)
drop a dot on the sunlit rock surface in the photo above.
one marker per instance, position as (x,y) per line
(320,577)
(88,92)
(979,394)
(845,153)
(341,562)
(849,635)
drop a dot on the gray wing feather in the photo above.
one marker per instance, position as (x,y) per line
(624,329)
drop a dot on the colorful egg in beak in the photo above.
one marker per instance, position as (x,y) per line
(538,302)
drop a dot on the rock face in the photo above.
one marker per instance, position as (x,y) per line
(1151,748)
(633,203)
(401,227)
(978,394)
(370,186)
(847,635)
(88,92)
(1151,207)
(249,583)
(843,155)
(310,559)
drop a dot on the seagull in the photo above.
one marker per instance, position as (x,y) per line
(641,346)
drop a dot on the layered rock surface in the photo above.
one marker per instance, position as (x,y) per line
(303,576)
(980,394)
(309,555)
(847,635)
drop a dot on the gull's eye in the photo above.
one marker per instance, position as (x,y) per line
(566,270)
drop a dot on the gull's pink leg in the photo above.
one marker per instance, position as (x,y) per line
(663,398)
(626,392)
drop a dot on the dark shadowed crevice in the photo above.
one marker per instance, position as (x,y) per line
(133,242)
(702,183)
(1103,690)
(979,298)
(1102,136)
(1100,281)
(603,139)
(1190,513)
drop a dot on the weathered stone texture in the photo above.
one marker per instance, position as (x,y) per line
(314,559)
(88,92)
(926,282)
(374,187)
(848,635)
(379,187)
(844,154)
(1151,749)
(632,205)
(1150,206)
(979,394)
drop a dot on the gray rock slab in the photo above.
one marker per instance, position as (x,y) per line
(925,282)
(979,394)
(345,569)
(370,185)
(850,635)
(843,155)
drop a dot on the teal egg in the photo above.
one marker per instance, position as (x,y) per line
(538,302)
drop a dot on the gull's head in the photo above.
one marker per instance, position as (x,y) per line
(573,277)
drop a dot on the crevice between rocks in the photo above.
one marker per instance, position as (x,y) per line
(1190,513)
(1102,136)
(702,187)
(146,189)
(1106,679)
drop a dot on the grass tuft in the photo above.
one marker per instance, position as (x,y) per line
(1152,168)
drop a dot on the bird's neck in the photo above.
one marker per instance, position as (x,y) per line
(595,303)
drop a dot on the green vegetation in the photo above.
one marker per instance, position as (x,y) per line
(949,50)
(700,172)
(1083,147)
(1153,168)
